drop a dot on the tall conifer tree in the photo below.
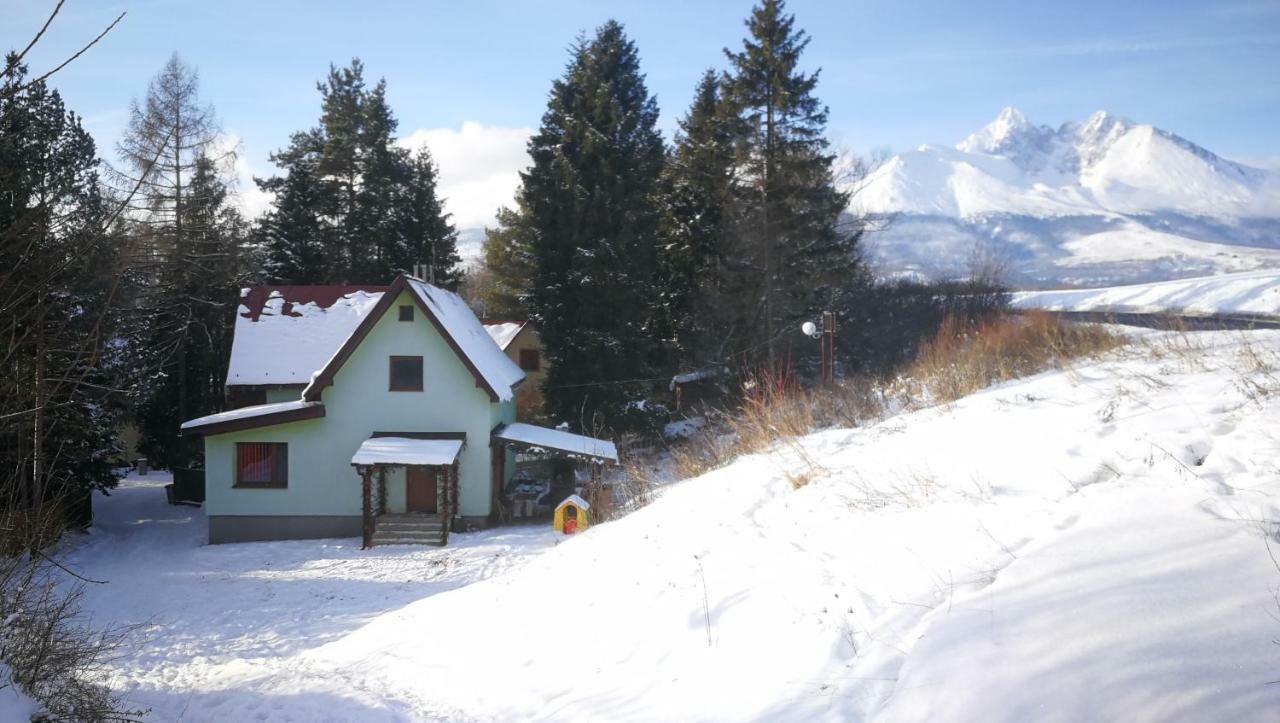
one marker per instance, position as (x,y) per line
(58,276)
(789,225)
(591,207)
(697,277)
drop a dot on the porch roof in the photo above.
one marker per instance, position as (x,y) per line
(553,440)
(406,451)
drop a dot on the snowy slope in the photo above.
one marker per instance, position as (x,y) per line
(1086,545)
(1072,203)
(1248,293)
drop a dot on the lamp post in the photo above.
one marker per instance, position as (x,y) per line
(827,335)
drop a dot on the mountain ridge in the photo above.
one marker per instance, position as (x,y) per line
(1059,188)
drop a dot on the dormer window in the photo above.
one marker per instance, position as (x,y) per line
(406,312)
(406,374)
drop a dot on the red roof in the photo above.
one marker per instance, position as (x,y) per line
(322,296)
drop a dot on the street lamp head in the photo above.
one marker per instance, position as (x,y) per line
(810,329)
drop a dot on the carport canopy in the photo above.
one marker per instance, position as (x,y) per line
(532,438)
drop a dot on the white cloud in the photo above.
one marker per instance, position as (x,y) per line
(479,167)
(252,201)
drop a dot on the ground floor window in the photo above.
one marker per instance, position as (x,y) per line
(262,464)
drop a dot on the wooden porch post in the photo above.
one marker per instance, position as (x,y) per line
(366,493)
(382,490)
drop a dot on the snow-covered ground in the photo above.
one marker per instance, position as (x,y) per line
(1082,545)
(14,705)
(1256,292)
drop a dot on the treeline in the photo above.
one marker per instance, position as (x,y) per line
(637,261)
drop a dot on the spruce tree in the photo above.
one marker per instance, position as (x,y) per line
(216,249)
(697,283)
(429,238)
(591,208)
(789,225)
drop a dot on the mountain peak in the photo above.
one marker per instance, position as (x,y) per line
(1007,126)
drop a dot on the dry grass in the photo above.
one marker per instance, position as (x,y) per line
(961,359)
(964,358)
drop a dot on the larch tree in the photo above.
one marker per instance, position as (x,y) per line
(171,151)
(789,223)
(591,206)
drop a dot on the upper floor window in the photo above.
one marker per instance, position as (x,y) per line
(530,360)
(262,464)
(406,312)
(406,374)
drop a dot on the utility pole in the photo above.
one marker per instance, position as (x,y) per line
(828,347)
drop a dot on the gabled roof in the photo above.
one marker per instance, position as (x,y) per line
(456,324)
(503,331)
(283,334)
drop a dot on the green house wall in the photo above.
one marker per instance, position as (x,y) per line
(322,481)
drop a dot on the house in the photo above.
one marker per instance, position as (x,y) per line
(523,346)
(385,412)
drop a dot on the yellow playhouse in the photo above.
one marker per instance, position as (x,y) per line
(571,515)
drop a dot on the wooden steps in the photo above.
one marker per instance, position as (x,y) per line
(410,530)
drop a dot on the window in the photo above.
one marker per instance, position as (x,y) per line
(406,312)
(406,374)
(530,360)
(262,464)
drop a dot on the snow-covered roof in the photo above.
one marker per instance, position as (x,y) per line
(574,500)
(258,410)
(284,334)
(555,439)
(503,332)
(461,325)
(403,450)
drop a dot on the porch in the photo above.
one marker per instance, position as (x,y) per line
(430,473)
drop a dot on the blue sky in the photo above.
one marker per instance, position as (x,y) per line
(895,74)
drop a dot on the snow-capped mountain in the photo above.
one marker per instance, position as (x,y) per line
(1103,201)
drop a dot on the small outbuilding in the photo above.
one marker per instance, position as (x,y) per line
(571,515)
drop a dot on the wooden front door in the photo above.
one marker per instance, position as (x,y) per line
(420,489)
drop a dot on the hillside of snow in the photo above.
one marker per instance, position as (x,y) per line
(1081,545)
(1103,201)
(1246,293)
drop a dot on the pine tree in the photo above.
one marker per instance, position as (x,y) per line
(352,206)
(591,207)
(698,232)
(58,280)
(789,224)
